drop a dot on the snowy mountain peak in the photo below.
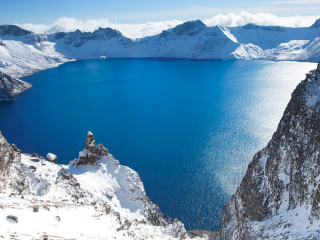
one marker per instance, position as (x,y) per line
(316,24)
(13,30)
(190,28)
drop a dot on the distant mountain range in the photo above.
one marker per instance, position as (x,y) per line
(23,52)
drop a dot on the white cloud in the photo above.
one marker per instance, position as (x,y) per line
(152,28)
(265,19)
(129,30)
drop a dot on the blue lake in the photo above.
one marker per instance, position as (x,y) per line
(189,128)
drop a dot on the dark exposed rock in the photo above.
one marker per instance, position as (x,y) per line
(107,208)
(33,168)
(282,176)
(34,159)
(13,30)
(46,208)
(14,147)
(92,152)
(12,218)
(5,95)
(154,214)
(35,209)
(58,218)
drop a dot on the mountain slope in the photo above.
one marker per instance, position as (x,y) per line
(92,197)
(23,52)
(279,196)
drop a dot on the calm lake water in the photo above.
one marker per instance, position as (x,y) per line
(189,128)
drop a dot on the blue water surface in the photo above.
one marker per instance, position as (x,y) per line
(189,128)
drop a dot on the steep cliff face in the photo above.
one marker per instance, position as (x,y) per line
(10,86)
(279,196)
(92,197)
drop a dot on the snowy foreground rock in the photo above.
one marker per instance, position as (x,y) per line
(279,197)
(92,197)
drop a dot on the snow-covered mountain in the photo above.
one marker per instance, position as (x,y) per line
(23,52)
(92,197)
(279,197)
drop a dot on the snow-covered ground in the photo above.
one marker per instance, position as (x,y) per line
(100,199)
(23,52)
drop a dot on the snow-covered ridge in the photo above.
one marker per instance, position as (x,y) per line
(10,86)
(23,52)
(92,197)
(279,197)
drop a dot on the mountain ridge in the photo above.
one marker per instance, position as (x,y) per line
(24,52)
(278,197)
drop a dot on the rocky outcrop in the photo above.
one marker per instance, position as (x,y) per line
(92,152)
(280,189)
(12,218)
(10,86)
(91,155)
(52,158)
(94,183)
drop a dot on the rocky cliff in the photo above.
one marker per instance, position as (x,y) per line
(10,86)
(279,196)
(92,197)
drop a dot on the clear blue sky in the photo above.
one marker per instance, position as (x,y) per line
(141,11)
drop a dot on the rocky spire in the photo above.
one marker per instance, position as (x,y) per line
(90,142)
(92,152)
(88,156)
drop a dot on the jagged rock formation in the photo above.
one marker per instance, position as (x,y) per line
(278,197)
(23,52)
(10,86)
(11,167)
(92,197)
